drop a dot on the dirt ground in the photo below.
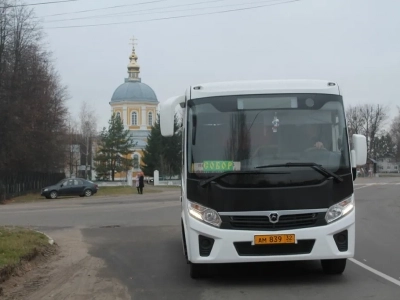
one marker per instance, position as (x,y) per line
(68,273)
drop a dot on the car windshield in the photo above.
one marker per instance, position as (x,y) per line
(242,133)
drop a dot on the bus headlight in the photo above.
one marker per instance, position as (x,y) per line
(204,214)
(339,210)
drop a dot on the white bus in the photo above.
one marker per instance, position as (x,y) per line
(267,173)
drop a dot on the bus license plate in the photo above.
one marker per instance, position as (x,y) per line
(274,239)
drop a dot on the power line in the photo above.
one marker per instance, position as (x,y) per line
(39,3)
(175,17)
(103,8)
(140,12)
(111,7)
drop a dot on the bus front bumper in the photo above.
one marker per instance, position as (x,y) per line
(236,246)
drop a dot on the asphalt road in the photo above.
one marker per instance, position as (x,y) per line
(138,237)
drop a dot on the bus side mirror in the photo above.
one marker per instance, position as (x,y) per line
(167,114)
(359,152)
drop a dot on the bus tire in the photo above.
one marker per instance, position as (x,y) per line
(198,271)
(334,266)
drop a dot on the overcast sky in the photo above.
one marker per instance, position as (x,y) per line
(353,42)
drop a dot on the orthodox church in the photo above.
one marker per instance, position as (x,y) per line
(136,104)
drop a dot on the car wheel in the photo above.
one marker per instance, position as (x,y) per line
(198,270)
(334,266)
(88,193)
(53,194)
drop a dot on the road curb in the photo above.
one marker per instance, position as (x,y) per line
(51,241)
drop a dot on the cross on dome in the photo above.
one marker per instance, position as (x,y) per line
(133,66)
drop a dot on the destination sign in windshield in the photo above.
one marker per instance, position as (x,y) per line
(267,102)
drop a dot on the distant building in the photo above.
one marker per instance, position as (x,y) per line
(76,156)
(388,165)
(73,158)
(136,104)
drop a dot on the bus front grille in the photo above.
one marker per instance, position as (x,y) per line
(285,222)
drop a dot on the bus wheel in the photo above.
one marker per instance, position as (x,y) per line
(333,266)
(198,271)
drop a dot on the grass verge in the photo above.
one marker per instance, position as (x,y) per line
(18,245)
(124,190)
(103,191)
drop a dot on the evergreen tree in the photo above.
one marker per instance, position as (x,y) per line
(115,148)
(126,164)
(395,133)
(163,153)
(152,152)
(384,146)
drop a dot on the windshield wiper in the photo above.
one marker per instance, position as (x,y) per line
(219,176)
(315,166)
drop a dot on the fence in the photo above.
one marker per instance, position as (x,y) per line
(13,185)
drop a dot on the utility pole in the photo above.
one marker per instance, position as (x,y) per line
(87,135)
(71,167)
(87,156)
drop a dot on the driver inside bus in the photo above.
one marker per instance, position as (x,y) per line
(312,138)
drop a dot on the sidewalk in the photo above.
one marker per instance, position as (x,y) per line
(366,180)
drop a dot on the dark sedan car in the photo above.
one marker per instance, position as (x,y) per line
(70,187)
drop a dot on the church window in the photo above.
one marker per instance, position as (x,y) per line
(134,118)
(150,119)
(136,161)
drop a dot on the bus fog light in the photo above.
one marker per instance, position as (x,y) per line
(204,214)
(339,210)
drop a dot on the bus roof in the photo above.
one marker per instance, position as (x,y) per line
(252,87)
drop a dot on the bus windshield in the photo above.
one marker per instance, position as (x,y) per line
(239,133)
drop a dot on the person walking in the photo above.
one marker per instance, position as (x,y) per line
(141,182)
(137,182)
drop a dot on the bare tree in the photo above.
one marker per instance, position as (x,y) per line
(72,150)
(88,126)
(32,102)
(367,119)
(374,116)
(355,121)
